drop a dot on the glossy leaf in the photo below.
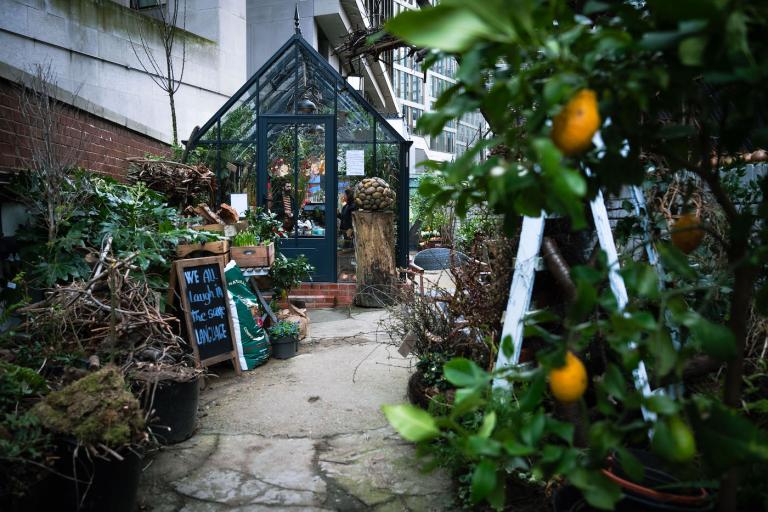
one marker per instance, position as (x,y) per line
(412,423)
(483,480)
(444,27)
(465,373)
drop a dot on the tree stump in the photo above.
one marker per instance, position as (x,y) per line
(375,257)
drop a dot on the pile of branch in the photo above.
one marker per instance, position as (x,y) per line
(360,42)
(180,183)
(111,315)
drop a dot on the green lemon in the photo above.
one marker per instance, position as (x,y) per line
(673,440)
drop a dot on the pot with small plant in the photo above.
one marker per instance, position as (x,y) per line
(284,337)
(255,246)
(287,273)
(249,250)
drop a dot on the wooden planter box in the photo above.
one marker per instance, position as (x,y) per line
(217,247)
(254,255)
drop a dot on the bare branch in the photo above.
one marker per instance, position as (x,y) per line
(165,75)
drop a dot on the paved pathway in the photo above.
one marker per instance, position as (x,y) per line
(305,433)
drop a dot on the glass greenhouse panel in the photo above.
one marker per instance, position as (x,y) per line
(277,85)
(239,170)
(314,84)
(310,181)
(353,122)
(281,162)
(385,132)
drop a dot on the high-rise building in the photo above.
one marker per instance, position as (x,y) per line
(416,93)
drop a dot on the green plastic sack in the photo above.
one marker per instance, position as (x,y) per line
(251,341)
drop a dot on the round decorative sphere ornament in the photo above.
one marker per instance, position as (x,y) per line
(374,194)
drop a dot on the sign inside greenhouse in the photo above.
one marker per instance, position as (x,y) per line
(355,162)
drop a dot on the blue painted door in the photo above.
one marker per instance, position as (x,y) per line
(299,186)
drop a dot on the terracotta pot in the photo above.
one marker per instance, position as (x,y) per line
(645,496)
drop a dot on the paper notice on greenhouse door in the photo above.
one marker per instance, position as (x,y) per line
(355,162)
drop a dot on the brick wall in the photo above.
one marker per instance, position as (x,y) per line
(94,143)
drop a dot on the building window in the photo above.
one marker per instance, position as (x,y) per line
(411,115)
(444,142)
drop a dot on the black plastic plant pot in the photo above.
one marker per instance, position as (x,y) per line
(285,347)
(85,483)
(175,410)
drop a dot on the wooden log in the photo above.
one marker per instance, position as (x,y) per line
(375,257)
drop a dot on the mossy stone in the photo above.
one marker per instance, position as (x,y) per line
(95,409)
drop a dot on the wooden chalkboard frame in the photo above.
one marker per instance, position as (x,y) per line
(177,280)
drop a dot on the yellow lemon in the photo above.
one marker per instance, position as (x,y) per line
(686,233)
(568,382)
(574,126)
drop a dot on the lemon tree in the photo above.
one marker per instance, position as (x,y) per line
(671,87)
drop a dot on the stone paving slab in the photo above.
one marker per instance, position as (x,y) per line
(305,433)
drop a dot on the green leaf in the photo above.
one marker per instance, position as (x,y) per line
(489,423)
(516,449)
(642,279)
(614,382)
(593,6)
(664,353)
(464,373)
(631,466)
(561,429)
(507,347)
(727,438)
(596,488)
(412,423)
(662,404)
(584,302)
(483,480)
(691,50)
(532,430)
(716,340)
(483,447)
(444,27)
(498,496)
(532,396)
(675,260)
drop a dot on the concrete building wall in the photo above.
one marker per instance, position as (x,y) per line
(88,44)
(270,23)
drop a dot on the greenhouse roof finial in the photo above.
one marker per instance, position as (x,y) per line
(296,19)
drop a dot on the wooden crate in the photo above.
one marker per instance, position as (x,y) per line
(217,247)
(254,255)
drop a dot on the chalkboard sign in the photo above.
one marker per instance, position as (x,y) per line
(205,306)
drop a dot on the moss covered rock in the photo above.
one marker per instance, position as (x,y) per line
(95,409)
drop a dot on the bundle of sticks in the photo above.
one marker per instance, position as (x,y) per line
(111,313)
(180,183)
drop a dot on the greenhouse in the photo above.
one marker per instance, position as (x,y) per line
(292,139)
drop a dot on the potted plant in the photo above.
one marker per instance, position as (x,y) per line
(285,339)
(287,273)
(169,394)
(255,246)
(249,250)
(101,431)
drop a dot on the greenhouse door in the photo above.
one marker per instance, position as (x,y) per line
(299,186)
